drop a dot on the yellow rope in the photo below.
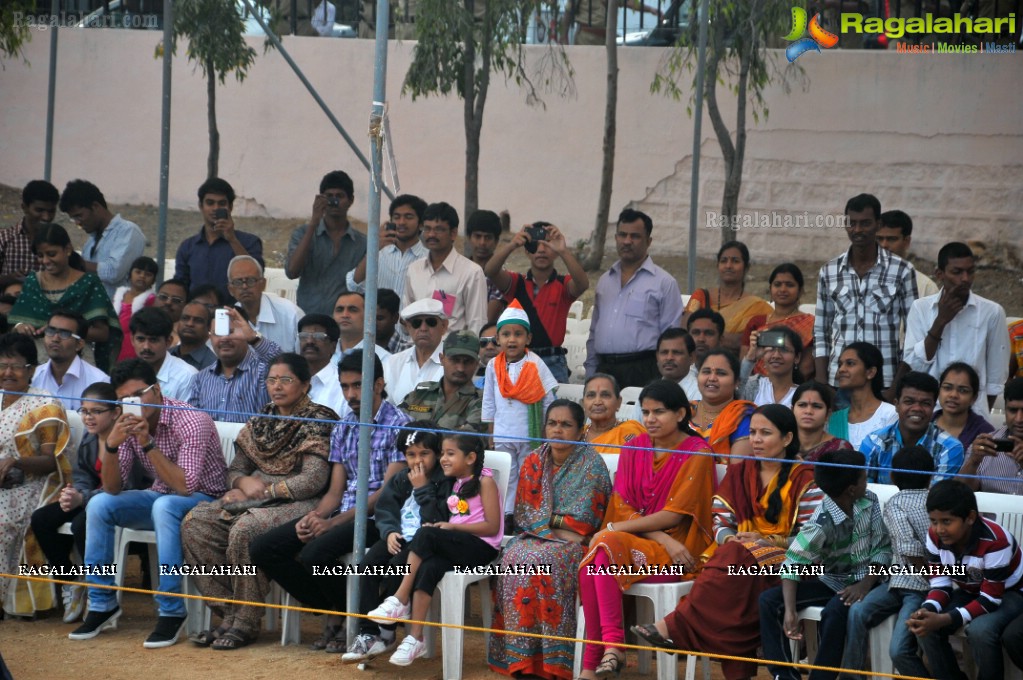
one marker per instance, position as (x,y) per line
(474,629)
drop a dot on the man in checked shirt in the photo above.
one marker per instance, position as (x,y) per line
(180,448)
(863,294)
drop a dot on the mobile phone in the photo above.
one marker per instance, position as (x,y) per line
(537,232)
(771,339)
(221,322)
(220,214)
(132,406)
(391,226)
(1004,445)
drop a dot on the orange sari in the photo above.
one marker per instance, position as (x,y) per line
(615,439)
(719,434)
(681,483)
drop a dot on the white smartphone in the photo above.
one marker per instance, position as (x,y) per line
(132,406)
(221,322)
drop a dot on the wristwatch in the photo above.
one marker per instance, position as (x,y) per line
(150,446)
(255,339)
(110,449)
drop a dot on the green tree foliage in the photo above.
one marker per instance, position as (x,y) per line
(216,44)
(460,44)
(14,30)
(740,31)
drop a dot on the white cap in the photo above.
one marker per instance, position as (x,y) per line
(424,307)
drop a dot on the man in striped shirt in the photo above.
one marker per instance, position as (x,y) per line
(979,586)
(845,536)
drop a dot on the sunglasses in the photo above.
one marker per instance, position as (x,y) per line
(61,333)
(318,337)
(430,321)
(163,297)
(488,340)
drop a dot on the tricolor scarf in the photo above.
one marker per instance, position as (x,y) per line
(529,390)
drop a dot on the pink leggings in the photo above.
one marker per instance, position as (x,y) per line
(602,605)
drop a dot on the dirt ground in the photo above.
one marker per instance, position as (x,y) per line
(995,280)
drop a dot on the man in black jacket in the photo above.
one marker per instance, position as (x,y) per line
(411,498)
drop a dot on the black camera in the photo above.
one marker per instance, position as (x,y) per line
(537,232)
(333,201)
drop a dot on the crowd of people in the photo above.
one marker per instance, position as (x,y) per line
(890,381)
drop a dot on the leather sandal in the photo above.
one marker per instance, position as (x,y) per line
(331,632)
(648,632)
(610,664)
(206,637)
(236,638)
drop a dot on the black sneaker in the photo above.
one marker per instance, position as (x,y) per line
(95,623)
(166,632)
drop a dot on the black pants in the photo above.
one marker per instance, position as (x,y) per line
(441,550)
(373,589)
(636,373)
(57,547)
(283,557)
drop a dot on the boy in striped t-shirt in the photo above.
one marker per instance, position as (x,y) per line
(978,584)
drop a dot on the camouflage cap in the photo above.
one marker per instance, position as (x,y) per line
(462,343)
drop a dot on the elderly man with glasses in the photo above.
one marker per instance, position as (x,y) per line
(66,375)
(427,324)
(179,447)
(271,315)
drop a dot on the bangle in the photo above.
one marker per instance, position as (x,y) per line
(935,338)
(610,526)
(110,449)
(149,447)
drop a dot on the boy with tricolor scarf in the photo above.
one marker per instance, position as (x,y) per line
(516,392)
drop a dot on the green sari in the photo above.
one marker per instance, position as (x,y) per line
(86,296)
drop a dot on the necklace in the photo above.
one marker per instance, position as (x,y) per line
(591,432)
(742,291)
(804,449)
(708,416)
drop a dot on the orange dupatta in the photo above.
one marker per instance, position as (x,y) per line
(528,389)
(724,426)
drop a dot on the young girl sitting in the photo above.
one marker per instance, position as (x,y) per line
(131,298)
(471,539)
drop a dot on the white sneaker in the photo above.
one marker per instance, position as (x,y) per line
(391,608)
(74,602)
(408,651)
(365,648)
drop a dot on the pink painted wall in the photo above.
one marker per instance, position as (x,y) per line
(940,136)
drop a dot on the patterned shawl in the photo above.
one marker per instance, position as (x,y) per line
(574,497)
(276,445)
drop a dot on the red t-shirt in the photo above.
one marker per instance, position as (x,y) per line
(551,304)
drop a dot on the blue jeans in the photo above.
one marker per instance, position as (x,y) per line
(830,630)
(878,605)
(145,510)
(559,367)
(984,635)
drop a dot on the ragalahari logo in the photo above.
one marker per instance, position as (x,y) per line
(818,36)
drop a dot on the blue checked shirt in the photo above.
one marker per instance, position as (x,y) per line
(880,447)
(874,308)
(845,546)
(344,448)
(235,399)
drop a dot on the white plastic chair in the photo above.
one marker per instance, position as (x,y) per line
(228,433)
(452,589)
(570,391)
(77,428)
(611,461)
(575,310)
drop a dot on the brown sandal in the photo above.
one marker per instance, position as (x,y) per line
(610,664)
(207,637)
(332,633)
(236,638)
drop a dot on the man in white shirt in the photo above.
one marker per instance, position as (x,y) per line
(317,338)
(350,316)
(65,375)
(420,363)
(445,274)
(273,317)
(675,354)
(150,329)
(399,247)
(894,235)
(113,243)
(322,19)
(956,324)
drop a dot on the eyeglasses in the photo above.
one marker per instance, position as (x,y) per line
(89,412)
(5,366)
(138,393)
(247,282)
(284,380)
(430,321)
(163,297)
(318,337)
(488,340)
(62,333)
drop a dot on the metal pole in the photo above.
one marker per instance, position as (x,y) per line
(694,190)
(369,325)
(272,37)
(51,93)
(165,129)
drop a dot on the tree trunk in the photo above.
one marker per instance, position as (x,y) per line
(474,99)
(213,159)
(718,122)
(733,178)
(598,240)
